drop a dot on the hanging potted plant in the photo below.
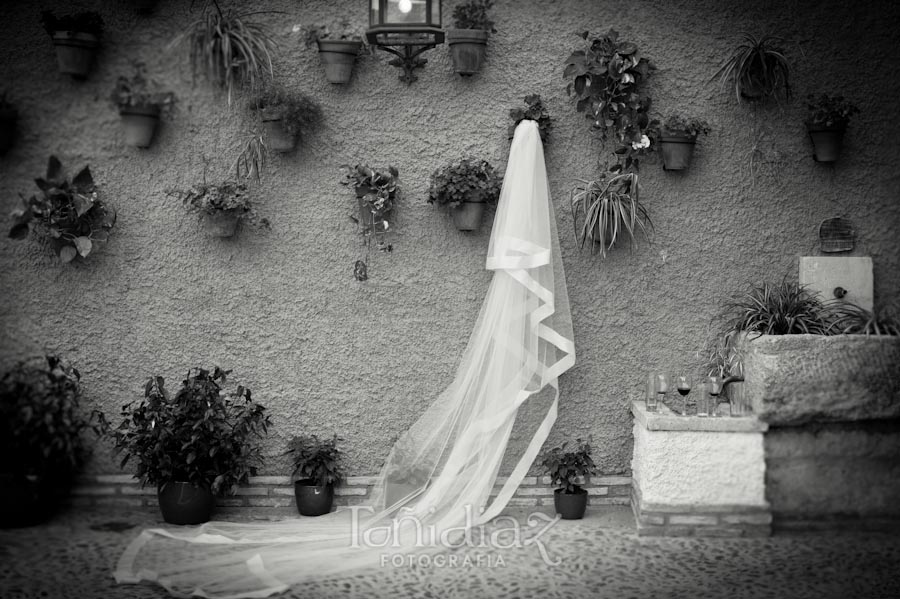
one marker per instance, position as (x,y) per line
(319,466)
(757,70)
(564,468)
(376,192)
(339,44)
(465,186)
(285,116)
(826,124)
(221,206)
(198,444)
(677,141)
(468,41)
(534,111)
(69,214)
(139,107)
(8,118)
(42,442)
(76,39)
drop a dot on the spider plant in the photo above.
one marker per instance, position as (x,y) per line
(784,309)
(252,157)
(757,69)
(231,51)
(849,319)
(611,209)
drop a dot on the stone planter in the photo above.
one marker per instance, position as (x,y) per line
(75,52)
(221,224)
(184,503)
(312,499)
(467,216)
(677,150)
(140,124)
(8,119)
(827,141)
(338,57)
(467,49)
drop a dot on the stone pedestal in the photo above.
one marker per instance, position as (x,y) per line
(698,476)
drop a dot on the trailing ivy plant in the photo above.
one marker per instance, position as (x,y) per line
(466,180)
(564,467)
(214,198)
(376,193)
(535,111)
(69,214)
(474,15)
(202,435)
(319,460)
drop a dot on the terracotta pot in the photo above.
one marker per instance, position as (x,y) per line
(338,57)
(140,124)
(8,119)
(570,506)
(313,499)
(467,216)
(467,49)
(185,503)
(221,224)
(677,150)
(827,141)
(277,137)
(75,52)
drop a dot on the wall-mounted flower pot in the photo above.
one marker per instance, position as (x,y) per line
(140,124)
(467,216)
(366,218)
(467,49)
(221,223)
(75,52)
(827,141)
(185,503)
(677,150)
(338,57)
(8,119)
(570,506)
(277,137)
(312,499)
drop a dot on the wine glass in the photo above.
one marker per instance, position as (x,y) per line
(683,384)
(714,388)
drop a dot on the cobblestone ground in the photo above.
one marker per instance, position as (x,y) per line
(600,556)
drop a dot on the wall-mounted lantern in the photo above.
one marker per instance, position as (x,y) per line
(405,28)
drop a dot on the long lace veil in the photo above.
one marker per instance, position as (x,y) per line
(440,474)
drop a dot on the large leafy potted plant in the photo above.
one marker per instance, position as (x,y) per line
(534,110)
(76,38)
(339,45)
(564,468)
(8,118)
(468,40)
(677,141)
(318,464)
(285,116)
(139,107)
(42,437)
(465,186)
(194,445)
(221,206)
(826,123)
(757,70)
(69,214)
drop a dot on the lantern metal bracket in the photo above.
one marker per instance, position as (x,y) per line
(407,46)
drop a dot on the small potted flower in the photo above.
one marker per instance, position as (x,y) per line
(76,38)
(318,464)
(339,44)
(826,124)
(139,107)
(221,206)
(285,116)
(69,214)
(376,192)
(677,141)
(197,444)
(8,118)
(565,468)
(468,40)
(535,111)
(465,186)
(42,446)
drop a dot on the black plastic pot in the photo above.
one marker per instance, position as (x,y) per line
(570,506)
(467,50)
(75,52)
(338,57)
(677,150)
(467,216)
(140,124)
(313,499)
(827,141)
(25,501)
(185,503)
(8,120)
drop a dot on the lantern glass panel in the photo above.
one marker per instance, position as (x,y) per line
(406,12)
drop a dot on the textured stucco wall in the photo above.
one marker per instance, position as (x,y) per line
(326,353)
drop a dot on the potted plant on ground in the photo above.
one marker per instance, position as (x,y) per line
(677,140)
(76,39)
(534,111)
(564,468)
(221,206)
(42,441)
(139,107)
(610,207)
(200,443)
(285,116)
(319,465)
(465,186)
(8,118)
(757,70)
(69,214)
(339,44)
(826,124)
(468,40)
